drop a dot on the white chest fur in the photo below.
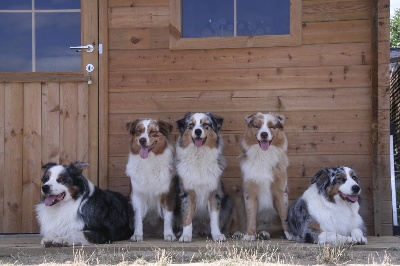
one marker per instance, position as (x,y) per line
(151,177)
(258,166)
(340,217)
(200,170)
(60,219)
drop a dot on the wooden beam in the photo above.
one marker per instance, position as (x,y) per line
(374,118)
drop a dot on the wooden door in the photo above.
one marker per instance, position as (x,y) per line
(46,117)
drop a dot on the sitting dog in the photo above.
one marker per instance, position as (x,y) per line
(327,212)
(154,184)
(263,163)
(200,164)
(75,212)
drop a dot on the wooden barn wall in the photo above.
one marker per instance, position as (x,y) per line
(39,122)
(323,87)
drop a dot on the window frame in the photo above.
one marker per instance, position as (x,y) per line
(176,42)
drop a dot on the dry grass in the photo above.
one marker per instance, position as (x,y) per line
(224,254)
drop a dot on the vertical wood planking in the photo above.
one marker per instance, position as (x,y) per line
(83,127)
(103,98)
(50,122)
(31,155)
(68,122)
(13,157)
(90,22)
(2,170)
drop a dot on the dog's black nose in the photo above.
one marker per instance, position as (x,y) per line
(46,189)
(355,188)
(264,135)
(197,132)
(142,141)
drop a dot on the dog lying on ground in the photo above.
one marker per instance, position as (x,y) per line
(200,164)
(327,212)
(154,184)
(263,164)
(75,212)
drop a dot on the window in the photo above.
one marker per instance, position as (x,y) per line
(36,35)
(210,24)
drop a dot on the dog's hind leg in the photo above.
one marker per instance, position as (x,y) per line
(280,200)
(188,208)
(251,205)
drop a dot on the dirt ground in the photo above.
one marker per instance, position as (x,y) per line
(26,250)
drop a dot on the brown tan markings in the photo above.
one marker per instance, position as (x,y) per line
(279,190)
(157,130)
(188,211)
(168,199)
(209,133)
(251,206)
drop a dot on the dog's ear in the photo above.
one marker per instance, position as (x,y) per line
(181,123)
(131,126)
(249,119)
(281,119)
(79,166)
(165,128)
(216,120)
(47,166)
(321,179)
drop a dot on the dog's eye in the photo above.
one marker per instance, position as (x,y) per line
(191,126)
(206,126)
(257,126)
(353,177)
(45,179)
(272,127)
(153,132)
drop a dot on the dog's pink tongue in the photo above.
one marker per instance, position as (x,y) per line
(50,200)
(144,152)
(198,142)
(352,198)
(264,145)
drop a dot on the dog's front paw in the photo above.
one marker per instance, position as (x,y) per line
(219,238)
(289,236)
(169,237)
(136,238)
(264,235)
(358,237)
(249,238)
(185,239)
(359,240)
(237,235)
(46,242)
(60,242)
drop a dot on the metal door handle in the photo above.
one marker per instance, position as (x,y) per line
(89,48)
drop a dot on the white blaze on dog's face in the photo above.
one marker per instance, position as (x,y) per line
(263,129)
(55,186)
(148,135)
(199,129)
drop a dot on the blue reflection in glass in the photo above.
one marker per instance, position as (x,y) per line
(215,18)
(57,4)
(207,18)
(263,17)
(15,4)
(55,33)
(16,42)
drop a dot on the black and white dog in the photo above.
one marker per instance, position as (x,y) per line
(200,163)
(327,212)
(75,212)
